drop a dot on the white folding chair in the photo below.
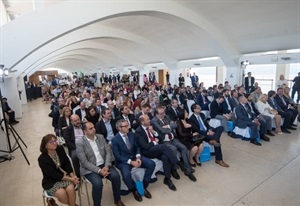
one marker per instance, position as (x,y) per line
(46,196)
(189,104)
(85,181)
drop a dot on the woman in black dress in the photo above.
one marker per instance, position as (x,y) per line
(192,140)
(58,176)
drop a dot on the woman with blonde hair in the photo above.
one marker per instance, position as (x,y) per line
(264,108)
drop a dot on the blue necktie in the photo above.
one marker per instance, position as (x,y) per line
(200,123)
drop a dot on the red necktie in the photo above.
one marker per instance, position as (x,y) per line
(170,134)
(152,139)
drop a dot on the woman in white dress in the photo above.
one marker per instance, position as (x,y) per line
(264,108)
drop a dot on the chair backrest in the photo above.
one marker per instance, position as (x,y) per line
(189,104)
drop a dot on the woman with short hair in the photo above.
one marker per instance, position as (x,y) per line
(58,177)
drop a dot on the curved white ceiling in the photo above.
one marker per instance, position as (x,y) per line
(105,34)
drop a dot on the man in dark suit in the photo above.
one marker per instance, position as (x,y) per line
(249,83)
(98,107)
(166,131)
(133,124)
(106,126)
(173,110)
(96,158)
(284,104)
(194,80)
(82,111)
(288,116)
(181,80)
(147,139)
(234,99)
(115,112)
(128,155)
(211,135)
(71,135)
(9,112)
(245,118)
(202,100)
(145,110)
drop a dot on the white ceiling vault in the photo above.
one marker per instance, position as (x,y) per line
(89,35)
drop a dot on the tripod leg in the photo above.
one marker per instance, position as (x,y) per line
(20,146)
(14,131)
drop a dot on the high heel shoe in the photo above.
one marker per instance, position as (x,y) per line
(197,163)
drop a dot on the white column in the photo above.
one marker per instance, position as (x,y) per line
(220,71)
(21,87)
(233,76)
(10,91)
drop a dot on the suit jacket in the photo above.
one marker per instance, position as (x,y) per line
(62,122)
(242,116)
(78,112)
(142,141)
(247,86)
(183,98)
(116,112)
(121,152)
(87,157)
(216,109)
(101,129)
(274,105)
(201,103)
(280,103)
(69,136)
(171,113)
(195,124)
(191,96)
(157,125)
(52,174)
(131,119)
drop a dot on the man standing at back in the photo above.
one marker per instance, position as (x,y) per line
(249,83)
(128,155)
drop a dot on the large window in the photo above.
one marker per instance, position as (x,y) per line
(264,74)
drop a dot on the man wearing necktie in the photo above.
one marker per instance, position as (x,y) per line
(128,155)
(173,110)
(211,135)
(165,129)
(284,104)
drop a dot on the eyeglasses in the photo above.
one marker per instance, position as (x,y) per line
(53,142)
(124,125)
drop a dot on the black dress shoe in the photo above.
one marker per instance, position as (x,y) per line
(191,176)
(286,131)
(193,165)
(231,134)
(137,196)
(292,128)
(170,184)
(147,194)
(263,137)
(175,174)
(199,164)
(271,134)
(294,125)
(255,142)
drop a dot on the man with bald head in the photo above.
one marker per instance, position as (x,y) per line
(82,111)
(147,140)
(71,135)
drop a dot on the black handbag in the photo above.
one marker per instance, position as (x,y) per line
(197,139)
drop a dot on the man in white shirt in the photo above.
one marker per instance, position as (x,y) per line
(95,158)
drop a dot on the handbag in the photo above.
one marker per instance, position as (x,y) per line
(196,139)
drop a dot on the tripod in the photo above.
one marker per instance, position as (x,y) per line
(10,129)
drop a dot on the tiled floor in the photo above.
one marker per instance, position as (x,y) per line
(266,175)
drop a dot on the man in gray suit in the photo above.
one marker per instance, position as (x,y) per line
(95,157)
(165,129)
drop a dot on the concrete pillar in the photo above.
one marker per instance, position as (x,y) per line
(220,75)
(234,76)
(21,88)
(10,91)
